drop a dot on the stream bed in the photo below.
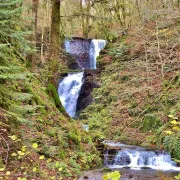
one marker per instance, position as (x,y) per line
(135,163)
(130,174)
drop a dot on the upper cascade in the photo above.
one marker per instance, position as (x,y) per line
(85,51)
(95,47)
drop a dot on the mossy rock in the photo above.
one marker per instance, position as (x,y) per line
(53,92)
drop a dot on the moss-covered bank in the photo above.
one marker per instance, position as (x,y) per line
(139,94)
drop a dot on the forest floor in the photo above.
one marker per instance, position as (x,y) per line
(139,92)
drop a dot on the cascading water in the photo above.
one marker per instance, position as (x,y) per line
(85,52)
(68,91)
(95,47)
(136,158)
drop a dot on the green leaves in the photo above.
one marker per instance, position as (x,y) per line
(35,145)
(112,176)
(177,177)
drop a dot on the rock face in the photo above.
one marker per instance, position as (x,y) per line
(84,53)
(79,49)
(85,97)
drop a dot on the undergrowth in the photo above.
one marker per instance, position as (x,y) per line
(37,139)
(139,88)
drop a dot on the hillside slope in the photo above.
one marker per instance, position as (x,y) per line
(37,138)
(139,98)
(40,141)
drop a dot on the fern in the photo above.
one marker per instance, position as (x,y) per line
(12,72)
(172,144)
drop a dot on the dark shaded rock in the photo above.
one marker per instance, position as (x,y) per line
(130,176)
(85,98)
(86,177)
(80,51)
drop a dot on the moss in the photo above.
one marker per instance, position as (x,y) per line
(53,92)
(1,163)
(124,79)
(62,154)
(150,122)
(52,132)
(36,98)
(75,137)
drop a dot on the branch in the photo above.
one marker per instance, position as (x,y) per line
(7,153)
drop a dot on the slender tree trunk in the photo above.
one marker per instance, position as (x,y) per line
(86,33)
(35,4)
(35,10)
(55,30)
(82,18)
(138,7)
(42,38)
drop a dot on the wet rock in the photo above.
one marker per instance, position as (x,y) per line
(85,96)
(80,51)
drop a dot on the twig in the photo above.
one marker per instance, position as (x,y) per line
(7,154)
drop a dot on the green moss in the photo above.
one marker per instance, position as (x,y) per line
(150,122)
(62,154)
(52,132)
(124,79)
(75,137)
(53,92)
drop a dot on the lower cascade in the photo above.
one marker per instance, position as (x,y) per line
(85,51)
(137,158)
(68,91)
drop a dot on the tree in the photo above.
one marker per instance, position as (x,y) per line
(55,30)
(88,9)
(35,11)
(82,18)
(35,4)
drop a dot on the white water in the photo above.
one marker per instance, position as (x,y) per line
(137,158)
(68,90)
(95,47)
(70,87)
(67,46)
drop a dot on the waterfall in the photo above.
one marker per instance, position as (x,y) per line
(95,47)
(136,158)
(85,51)
(67,46)
(68,91)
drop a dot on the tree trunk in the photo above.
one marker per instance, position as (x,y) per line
(35,4)
(86,32)
(55,30)
(82,18)
(35,11)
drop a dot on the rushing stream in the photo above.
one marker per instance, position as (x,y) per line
(137,158)
(135,163)
(85,51)
(69,90)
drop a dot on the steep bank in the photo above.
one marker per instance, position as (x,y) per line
(139,94)
(38,140)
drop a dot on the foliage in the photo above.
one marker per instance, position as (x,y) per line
(177,177)
(33,131)
(112,176)
(53,92)
(134,94)
(169,135)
